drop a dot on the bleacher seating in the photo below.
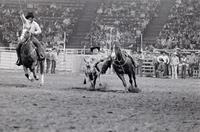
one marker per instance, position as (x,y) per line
(55,18)
(182,28)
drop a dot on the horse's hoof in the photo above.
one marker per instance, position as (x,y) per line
(91,89)
(31,79)
(37,78)
(135,90)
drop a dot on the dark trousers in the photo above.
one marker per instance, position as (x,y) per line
(48,62)
(156,68)
(53,66)
(166,72)
(183,71)
(190,70)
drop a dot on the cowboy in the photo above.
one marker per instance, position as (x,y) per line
(165,57)
(32,27)
(174,65)
(161,68)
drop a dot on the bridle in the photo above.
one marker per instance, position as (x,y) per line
(119,61)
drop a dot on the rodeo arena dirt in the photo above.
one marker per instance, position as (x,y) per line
(99,66)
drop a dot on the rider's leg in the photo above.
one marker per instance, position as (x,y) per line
(40,49)
(18,49)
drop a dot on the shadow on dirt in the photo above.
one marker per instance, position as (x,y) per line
(100,90)
(13,85)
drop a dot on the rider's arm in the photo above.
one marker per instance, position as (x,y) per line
(37,29)
(24,20)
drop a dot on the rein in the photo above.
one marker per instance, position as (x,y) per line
(117,60)
(120,65)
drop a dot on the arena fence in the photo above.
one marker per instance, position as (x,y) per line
(148,67)
(71,60)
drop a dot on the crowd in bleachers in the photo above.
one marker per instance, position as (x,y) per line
(183,27)
(54,20)
(129,18)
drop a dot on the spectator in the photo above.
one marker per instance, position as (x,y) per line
(165,57)
(191,61)
(183,66)
(54,57)
(140,59)
(156,64)
(174,65)
(48,61)
(199,63)
(161,68)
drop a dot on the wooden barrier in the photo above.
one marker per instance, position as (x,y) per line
(196,73)
(148,67)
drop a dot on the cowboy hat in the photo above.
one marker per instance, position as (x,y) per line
(94,47)
(29,15)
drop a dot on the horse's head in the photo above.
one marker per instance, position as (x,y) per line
(106,64)
(118,52)
(27,35)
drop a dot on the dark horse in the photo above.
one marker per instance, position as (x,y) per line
(123,64)
(30,60)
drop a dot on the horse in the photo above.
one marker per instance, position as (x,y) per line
(30,61)
(122,64)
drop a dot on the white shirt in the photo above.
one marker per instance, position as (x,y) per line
(33,27)
(174,61)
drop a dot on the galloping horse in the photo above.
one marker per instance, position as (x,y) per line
(30,60)
(123,64)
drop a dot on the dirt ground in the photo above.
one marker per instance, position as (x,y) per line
(63,104)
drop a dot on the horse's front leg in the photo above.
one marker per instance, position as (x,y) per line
(121,76)
(27,74)
(33,70)
(34,74)
(130,80)
(134,78)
